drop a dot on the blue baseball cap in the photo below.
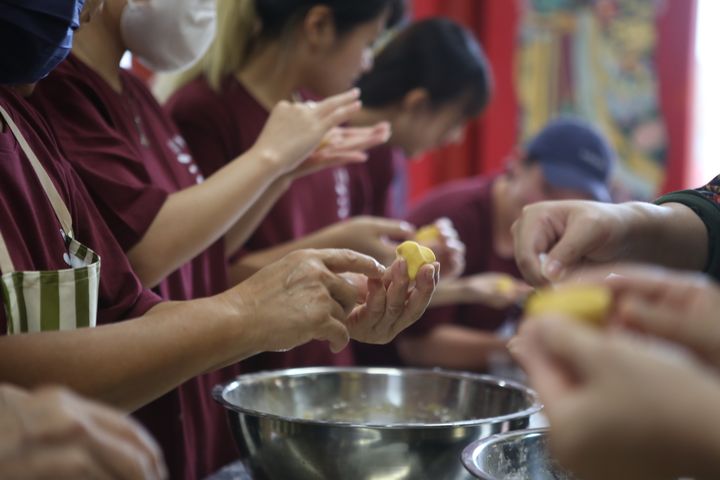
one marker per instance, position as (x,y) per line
(574,154)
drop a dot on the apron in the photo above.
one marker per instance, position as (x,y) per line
(53,299)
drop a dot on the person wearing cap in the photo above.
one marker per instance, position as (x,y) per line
(568,159)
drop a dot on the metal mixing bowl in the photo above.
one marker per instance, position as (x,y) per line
(520,455)
(368,423)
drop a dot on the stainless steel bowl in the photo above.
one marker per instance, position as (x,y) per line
(520,455)
(368,423)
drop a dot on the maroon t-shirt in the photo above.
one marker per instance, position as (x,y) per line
(219,127)
(31,229)
(131,157)
(468,203)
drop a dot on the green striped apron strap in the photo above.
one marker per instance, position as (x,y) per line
(6,264)
(61,211)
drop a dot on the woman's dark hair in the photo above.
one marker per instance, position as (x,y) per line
(276,15)
(437,55)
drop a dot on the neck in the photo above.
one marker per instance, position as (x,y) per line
(271,75)
(101,48)
(503,218)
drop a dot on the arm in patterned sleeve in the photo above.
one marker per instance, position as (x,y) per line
(705,202)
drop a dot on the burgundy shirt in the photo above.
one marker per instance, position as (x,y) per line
(131,157)
(31,229)
(468,203)
(219,127)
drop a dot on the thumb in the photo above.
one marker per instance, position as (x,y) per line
(576,242)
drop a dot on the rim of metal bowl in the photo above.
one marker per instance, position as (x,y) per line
(475,449)
(534,407)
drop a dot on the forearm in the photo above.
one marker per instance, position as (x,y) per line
(193,219)
(248,223)
(450,346)
(252,262)
(671,235)
(130,363)
(451,292)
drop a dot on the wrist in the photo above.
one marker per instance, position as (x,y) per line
(269,159)
(241,334)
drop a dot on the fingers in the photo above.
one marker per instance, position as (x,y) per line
(360,139)
(123,428)
(334,332)
(386,227)
(577,240)
(328,106)
(343,293)
(342,261)
(419,298)
(569,342)
(530,239)
(546,376)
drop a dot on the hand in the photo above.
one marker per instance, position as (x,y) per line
(448,248)
(302,298)
(52,433)
(372,236)
(391,305)
(487,289)
(620,407)
(343,145)
(295,130)
(571,233)
(680,307)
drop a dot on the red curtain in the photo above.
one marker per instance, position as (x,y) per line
(491,138)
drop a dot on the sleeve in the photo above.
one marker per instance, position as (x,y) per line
(108,163)
(705,202)
(122,295)
(198,119)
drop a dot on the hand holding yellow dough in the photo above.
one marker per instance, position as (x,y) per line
(415,255)
(427,234)
(588,303)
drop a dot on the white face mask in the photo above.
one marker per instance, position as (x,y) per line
(168,35)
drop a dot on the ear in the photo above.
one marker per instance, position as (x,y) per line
(416,99)
(319,28)
(514,161)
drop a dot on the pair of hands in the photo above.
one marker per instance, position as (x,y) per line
(332,295)
(304,137)
(496,290)
(378,237)
(621,405)
(52,433)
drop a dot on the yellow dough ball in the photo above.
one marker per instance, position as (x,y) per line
(589,303)
(427,234)
(415,255)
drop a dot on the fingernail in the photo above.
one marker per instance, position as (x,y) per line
(552,269)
